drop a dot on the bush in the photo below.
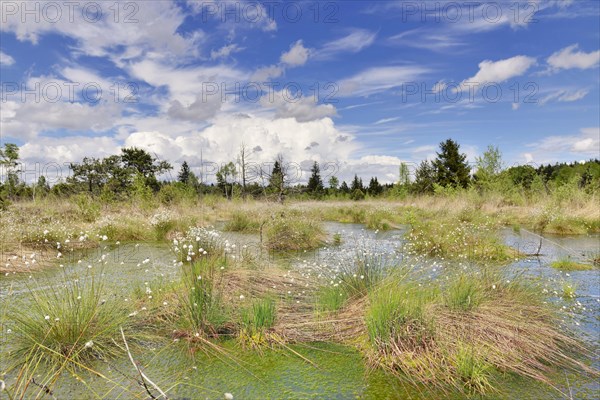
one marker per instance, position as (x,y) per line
(87,208)
(357,195)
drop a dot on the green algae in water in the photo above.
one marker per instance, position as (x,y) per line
(339,372)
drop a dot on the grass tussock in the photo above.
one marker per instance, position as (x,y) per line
(291,232)
(567,264)
(203,309)
(74,321)
(458,240)
(257,321)
(243,221)
(458,336)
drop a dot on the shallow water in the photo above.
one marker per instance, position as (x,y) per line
(338,371)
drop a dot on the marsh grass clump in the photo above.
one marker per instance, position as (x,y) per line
(242,221)
(198,242)
(330,299)
(164,222)
(203,308)
(396,315)
(379,219)
(126,231)
(457,336)
(65,328)
(287,232)
(256,323)
(464,293)
(337,239)
(569,291)
(566,264)
(360,277)
(458,240)
(472,370)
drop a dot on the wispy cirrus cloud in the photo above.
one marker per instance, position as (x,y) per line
(379,79)
(354,42)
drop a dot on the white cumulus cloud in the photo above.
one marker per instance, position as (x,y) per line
(5,59)
(500,71)
(296,56)
(569,58)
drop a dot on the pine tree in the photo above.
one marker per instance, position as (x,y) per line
(315,183)
(356,184)
(184,173)
(375,188)
(451,167)
(424,178)
(344,187)
(334,183)
(276,178)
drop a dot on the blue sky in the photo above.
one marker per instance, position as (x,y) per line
(364,85)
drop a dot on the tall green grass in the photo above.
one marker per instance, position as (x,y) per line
(472,370)
(204,310)
(397,311)
(256,321)
(330,299)
(464,293)
(77,321)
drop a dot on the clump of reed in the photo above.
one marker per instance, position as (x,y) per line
(65,328)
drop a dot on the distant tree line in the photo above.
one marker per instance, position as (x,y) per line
(137,172)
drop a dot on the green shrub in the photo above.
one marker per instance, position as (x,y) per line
(87,208)
(357,195)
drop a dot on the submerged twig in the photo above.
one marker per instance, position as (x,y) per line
(144,377)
